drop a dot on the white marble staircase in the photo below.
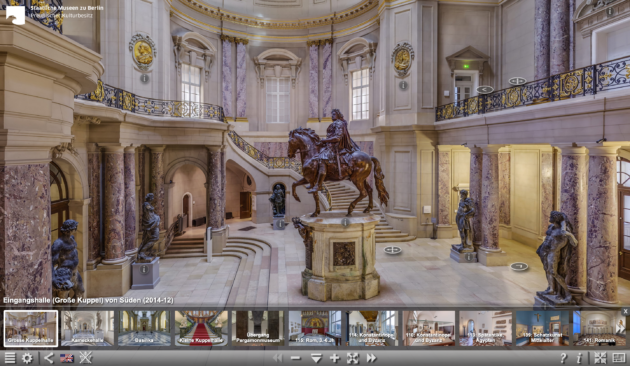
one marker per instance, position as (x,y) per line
(185,247)
(342,196)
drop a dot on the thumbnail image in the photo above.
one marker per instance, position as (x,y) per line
(257,328)
(144,328)
(599,328)
(542,328)
(201,328)
(25,328)
(429,328)
(87,328)
(485,328)
(372,328)
(315,328)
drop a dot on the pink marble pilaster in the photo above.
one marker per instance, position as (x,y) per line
(241,80)
(313,74)
(476,173)
(227,77)
(114,204)
(130,201)
(141,172)
(490,199)
(602,230)
(94,216)
(504,187)
(157,181)
(444,187)
(541,39)
(25,257)
(327,79)
(215,191)
(573,198)
(560,22)
(546,189)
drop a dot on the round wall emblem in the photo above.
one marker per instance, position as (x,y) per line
(143,51)
(402,57)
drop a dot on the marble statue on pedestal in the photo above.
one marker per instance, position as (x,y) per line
(65,262)
(277,200)
(99,320)
(150,231)
(464,219)
(555,253)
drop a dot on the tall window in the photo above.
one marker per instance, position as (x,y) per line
(360,94)
(335,322)
(278,100)
(389,321)
(59,207)
(191,88)
(463,87)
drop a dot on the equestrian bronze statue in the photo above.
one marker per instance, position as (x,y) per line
(335,158)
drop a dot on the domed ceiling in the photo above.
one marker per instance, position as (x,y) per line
(285,9)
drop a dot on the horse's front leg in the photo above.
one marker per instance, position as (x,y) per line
(300,182)
(316,197)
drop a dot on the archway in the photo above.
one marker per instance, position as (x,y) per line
(187,203)
(239,188)
(59,200)
(187,194)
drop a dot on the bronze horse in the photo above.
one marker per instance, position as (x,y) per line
(357,170)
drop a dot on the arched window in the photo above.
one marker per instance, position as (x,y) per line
(623,172)
(59,209)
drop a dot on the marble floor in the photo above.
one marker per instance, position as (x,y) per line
(422,275)
(144,339)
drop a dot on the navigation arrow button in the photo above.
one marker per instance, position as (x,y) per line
(371,358)
(277,357)
(316,357)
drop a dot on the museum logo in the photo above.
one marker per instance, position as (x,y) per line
(18,12)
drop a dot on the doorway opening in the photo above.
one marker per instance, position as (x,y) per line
(246,205)
(623,186)
(187,204)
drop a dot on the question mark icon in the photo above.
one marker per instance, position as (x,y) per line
(564,357)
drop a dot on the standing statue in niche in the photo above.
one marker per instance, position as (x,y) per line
(277,200)
(464,219)
(555,253)
(99,320)
(65,260)
(150,231)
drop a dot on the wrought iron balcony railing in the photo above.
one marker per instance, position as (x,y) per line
(589,80)
(262,158)
(49,13)
(121,99)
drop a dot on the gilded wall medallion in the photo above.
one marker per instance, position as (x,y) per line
(143,51)
(402,57)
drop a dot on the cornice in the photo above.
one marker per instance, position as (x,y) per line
(336,18)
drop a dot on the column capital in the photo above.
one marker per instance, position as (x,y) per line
(156,148)
(130,149)
(571,149)
(93,147)
(444,148)
(599,150)
(113,149)
(490,149)
(214,148)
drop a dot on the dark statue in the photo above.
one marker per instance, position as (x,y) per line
(65,261)
(555,253)
(150,231)
(464,218)
(277,200)
(335,158)
(306,232)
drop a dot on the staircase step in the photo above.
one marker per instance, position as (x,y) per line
(396,239)
(387,231)
(184,255)
(390,235)
(186,246)
(179,251)
(187,240)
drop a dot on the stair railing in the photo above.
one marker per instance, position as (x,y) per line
(173,230)
(262,158)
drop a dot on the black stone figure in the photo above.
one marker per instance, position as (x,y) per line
(464,217)
(150,231)
(65,262)
(277,200)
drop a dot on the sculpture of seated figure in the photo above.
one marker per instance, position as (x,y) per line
(150,231)
(65,260)
(555,253)
(464,217)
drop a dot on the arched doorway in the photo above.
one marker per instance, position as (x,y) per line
(187,203)
(59,200)
(187,194)
(470,328)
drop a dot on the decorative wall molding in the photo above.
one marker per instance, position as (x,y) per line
(472,56)
(143,51)
(402,58)
(58,150)
(278,2)
(275,58)
(191,46)
(82,120)
(357,52)
(591,15)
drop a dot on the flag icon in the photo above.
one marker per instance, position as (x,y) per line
(66,358)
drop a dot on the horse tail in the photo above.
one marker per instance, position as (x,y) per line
(383,196)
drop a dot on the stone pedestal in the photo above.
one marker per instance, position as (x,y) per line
(145,275)
(542,302)
(68,335)
(492,259)
(219,239)
(278,223)
(465,257)
(99,334)
(343,257)
(109,280)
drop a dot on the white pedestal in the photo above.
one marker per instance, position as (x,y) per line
(343,257)
(99,334)
(145,275)
(68,335)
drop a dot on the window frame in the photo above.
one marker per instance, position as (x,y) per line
(272,80)
(194,112)
(335,318)
(365,85)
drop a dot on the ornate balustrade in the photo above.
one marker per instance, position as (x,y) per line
(48,13)
(121,99)
(589,80)
(267,161)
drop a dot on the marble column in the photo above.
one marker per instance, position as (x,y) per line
(114,205)
(573,198)
(94,217)
(130,201)
(215,194)
(141,172)
(490,199)
(603,224)
(241,80)
(444,186)
(25,258)
(560,22)
(227,75)
(157,181)
(476,162)
(546,189)
(313,74)
(327,81)
(541,40)
(504,187)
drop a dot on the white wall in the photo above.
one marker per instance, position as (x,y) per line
(188,179)
(517,43)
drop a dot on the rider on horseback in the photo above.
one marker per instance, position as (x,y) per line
(337,144)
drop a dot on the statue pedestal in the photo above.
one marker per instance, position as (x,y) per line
(278,223)
(463,257)
(145,275)
(492,259)
(546,302)
(343,258)
(99,334)
(68,335)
